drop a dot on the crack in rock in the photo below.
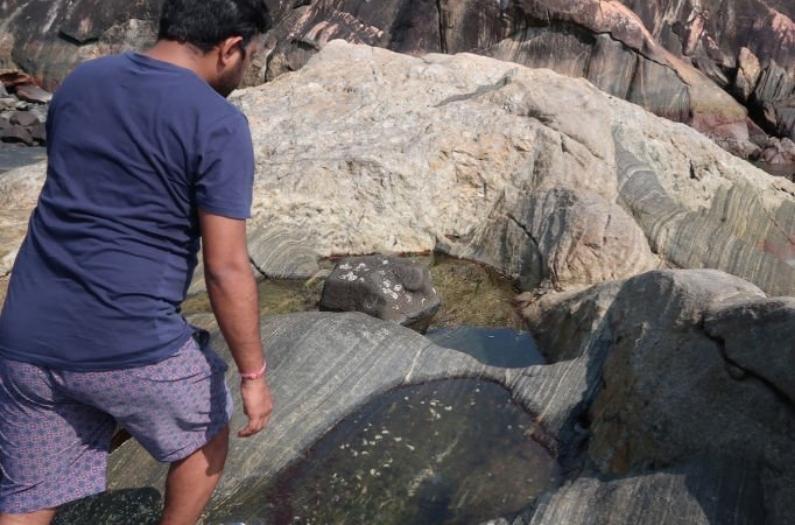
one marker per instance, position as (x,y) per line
(748,373)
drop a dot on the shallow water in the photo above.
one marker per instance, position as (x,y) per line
(502,347)
(472,294)
(450,451)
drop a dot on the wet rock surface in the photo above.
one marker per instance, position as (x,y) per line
(340,361)
(619,424)
(452,451)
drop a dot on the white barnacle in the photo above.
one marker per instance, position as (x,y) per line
(350,276)
(345,266)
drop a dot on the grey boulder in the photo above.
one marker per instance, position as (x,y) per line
(389,288)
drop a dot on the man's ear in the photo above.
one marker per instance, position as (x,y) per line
(228,48)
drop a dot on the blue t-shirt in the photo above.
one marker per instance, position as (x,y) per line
(135,147)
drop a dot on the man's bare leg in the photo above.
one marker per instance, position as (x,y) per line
(42,517)
(191,481)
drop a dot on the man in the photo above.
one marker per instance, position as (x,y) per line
(146,157)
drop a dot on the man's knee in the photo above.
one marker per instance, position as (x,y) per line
(216,450)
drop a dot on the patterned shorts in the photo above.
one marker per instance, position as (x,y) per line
(56,426)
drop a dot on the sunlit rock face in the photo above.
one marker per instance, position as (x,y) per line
(681,61)
(542,176)
(604,42)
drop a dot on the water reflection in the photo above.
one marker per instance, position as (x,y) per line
(502,347)
(452,451)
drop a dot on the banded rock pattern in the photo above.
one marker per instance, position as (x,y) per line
(536,174)
(645,377)
(324,366)
(669,349)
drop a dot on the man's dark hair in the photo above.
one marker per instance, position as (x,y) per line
(206,23)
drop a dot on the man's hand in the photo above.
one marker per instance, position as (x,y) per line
(257,405)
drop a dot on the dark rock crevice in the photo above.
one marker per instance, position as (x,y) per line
(529,234)
(441,9)
(747,373)
(587,35)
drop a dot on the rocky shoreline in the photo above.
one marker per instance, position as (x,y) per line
(656,269)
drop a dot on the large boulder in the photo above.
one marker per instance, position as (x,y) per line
(541,176)
(323,366)
(602,41)
(758,337)
(691,364)
(650,421)
(700,492)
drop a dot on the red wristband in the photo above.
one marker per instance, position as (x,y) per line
(255,375)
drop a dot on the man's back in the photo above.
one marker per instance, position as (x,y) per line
(135,145)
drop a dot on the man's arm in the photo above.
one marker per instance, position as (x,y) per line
(235,302)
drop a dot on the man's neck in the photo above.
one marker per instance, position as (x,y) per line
(182,55)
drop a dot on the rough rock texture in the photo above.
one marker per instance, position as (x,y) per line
(388,288)
(322,367)
(365,151)
(566,237)
(758,336)
(697,493)
(19,192)
(671,390)
(48,39)
(673,432)
(564,323)
(538,175)
(745,46)
(677,58)
(281,254)
(780,152)
(602,41)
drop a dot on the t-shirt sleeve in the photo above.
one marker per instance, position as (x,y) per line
(224,182)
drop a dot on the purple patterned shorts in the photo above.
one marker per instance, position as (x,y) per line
(56,426)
